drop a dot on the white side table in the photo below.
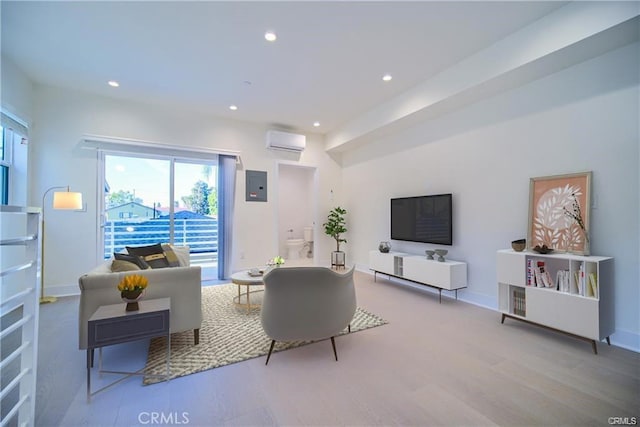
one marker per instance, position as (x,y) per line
(243,278)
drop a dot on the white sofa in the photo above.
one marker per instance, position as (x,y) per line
(181,284)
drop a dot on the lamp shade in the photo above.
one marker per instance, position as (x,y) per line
(67,200)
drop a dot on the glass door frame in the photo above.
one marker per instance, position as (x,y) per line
(101,208)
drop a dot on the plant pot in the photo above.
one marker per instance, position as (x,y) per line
(337,259)
(132,298)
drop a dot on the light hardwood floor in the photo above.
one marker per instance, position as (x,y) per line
(449,364)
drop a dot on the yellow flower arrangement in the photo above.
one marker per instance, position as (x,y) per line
(133,282)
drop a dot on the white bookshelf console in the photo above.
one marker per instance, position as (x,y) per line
(448,275)
(573,309)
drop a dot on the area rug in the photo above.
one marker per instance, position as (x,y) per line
(229,334)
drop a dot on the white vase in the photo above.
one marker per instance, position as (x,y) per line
(586,251)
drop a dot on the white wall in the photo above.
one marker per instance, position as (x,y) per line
(62,117)
(16,91)
(583,118)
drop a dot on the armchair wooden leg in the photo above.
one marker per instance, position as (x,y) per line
(196,336)
(333,343)
(349,328)
(273,342)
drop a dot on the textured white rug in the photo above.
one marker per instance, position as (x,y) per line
(229,334)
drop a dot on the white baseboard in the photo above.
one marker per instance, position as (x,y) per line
(62,290)
(626,339)
(620,338)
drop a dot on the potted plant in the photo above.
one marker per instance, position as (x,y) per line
(335,227)
(131,290)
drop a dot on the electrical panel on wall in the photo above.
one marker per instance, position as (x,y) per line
(256,183)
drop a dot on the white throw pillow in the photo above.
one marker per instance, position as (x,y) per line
(182,253)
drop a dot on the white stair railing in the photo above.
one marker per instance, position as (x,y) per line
(19,263)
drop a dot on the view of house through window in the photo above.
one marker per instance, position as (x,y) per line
(151,200)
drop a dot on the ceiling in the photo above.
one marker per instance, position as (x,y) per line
(326,65)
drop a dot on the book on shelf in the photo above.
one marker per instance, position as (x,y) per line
(531,279)
(593,285)
(543,278)
(519,302)
(562,280)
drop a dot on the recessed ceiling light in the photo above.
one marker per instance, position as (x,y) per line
(270,36)
(113,83)
(316,124)
(233,107)
(387,77)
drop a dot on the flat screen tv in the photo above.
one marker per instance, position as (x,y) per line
(425,219)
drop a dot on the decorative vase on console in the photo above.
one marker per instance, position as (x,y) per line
(132,290)
(384,247)
(441,253)
(132,298)
(587,244)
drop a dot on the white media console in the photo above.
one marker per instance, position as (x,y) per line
(448,275)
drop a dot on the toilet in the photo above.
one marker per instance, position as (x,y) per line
(294,246)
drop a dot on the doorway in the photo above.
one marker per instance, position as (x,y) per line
(297,210)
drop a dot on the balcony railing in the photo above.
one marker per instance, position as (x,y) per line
(200,234)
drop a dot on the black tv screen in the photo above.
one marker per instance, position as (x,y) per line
(425,219)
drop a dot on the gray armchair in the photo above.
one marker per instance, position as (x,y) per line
(307,303)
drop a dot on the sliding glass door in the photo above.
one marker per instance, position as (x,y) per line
(161,199)
(195,213)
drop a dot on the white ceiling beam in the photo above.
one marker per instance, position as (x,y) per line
(568,36)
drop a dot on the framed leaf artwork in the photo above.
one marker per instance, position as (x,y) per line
(559,212)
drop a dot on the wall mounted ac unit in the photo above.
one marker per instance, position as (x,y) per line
(285,141)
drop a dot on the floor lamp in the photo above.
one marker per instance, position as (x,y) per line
(61,200)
